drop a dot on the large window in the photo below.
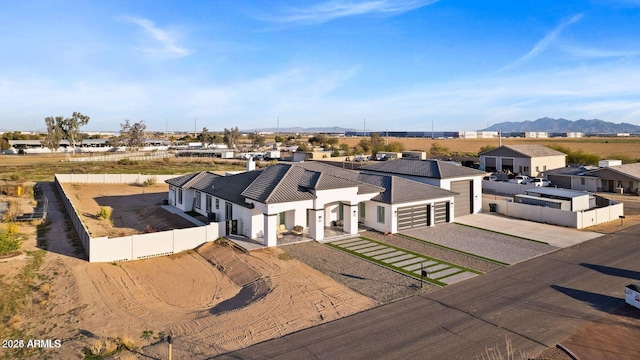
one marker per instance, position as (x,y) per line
(179,196)
(361,210)
(381,214)
(198,199)
(208,204)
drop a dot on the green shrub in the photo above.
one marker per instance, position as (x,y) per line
(150,181)
(9,239)
(104,213)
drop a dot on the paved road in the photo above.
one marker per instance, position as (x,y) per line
(536,303)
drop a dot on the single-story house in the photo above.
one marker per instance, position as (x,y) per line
(260,204)
(530,160)
(576,178)
(464,181)
(619,178)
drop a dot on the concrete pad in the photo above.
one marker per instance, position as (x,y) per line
(388,255)
(399,258)
(358,246)
(346,242)
(378,252)
(408,262)
(444,273)
(458,277)
(553,235)
(370,249)
(418,266)
(432,268)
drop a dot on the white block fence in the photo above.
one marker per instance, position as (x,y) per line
(138,246)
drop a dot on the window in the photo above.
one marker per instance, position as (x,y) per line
(583,181)
(340,211)
(179,196)
(381,214)
(208,204)
(361,208)
(198,200)
(217,204)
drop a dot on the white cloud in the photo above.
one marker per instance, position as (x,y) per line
(543,44)
(164,42)
(331,10)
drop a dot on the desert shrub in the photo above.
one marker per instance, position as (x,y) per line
(103,348)
(104,213)
(438,149)
(127,161)
(150,181)
(18,177)
(10,239)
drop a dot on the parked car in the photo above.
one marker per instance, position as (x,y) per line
(491,178)
(540,182)
(520,179)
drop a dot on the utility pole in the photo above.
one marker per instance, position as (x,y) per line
(364,128)
(432,135)
(195,119)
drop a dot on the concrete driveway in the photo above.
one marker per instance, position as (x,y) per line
(553,235)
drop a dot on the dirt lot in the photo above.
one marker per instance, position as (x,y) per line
(604,147)
(195,296)
(134,209)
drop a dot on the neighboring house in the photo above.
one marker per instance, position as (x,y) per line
(465,182)
(259,204)
(531,160)
(620,178)
(576,178)
(573,208)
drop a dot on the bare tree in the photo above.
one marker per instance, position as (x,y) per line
(133,135)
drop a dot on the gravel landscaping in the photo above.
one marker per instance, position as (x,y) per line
(368,279)
(374,281)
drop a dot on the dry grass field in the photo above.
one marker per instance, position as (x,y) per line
(603,147)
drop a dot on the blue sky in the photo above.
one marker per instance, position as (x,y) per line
(399,64)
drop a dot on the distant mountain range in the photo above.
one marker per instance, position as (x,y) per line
(551,125)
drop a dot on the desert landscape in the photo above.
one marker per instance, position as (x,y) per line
(193,296)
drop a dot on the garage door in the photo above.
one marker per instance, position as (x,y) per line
(441,212)
(464,199)
(413,216)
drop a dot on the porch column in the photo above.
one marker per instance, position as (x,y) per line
(270,230)
(316,224)
(350,219)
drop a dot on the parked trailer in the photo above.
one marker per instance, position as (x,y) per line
(632,295)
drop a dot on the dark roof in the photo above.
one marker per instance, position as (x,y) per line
(229,187)
(294,181)
(528,151)
(578,171)
(400,190)
(423,168)
(188,181)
